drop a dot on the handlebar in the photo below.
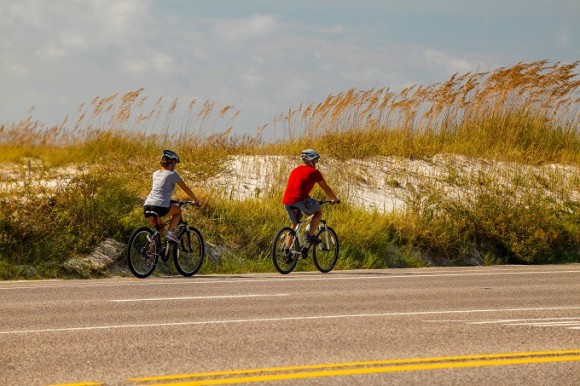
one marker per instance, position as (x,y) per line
(180,203)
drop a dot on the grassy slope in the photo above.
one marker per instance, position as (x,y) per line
(525,114)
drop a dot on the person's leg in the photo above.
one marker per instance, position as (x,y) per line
(160,227)
(316,217)
(155,221)
(312,207)
(294,215)
(175,214)
(290,239)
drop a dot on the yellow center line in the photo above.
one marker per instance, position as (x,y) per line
(411,364)
(376,370)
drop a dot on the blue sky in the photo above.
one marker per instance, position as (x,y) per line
(261,56)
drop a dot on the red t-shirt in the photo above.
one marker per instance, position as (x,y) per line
(301,181)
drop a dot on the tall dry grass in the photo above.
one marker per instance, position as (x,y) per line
(527,112)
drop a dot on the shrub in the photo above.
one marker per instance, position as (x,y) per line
(44,230)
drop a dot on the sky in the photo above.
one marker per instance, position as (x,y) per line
(263,57)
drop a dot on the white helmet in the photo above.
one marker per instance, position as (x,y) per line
(309,155)
(171,155)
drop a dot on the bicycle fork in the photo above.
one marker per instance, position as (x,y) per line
(324,242)
(185,241)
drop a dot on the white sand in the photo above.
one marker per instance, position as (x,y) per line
(379,183)
(384,183)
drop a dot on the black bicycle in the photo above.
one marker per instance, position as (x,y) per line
(146,247)
(290,246)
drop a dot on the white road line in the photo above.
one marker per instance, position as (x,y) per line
(544,324)
(571,323)
(198,298)
(329,277)
(290,318)
(503,321)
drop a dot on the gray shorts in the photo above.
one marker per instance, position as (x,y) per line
(308,206)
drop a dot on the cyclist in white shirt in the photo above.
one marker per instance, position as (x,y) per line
(159,200)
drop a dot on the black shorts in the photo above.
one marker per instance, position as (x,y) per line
(161,211)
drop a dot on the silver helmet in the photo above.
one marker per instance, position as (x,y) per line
(309,155)
(170,155)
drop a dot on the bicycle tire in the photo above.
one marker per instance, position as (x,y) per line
(142,254)
(325,254)
(283,262)
(189,253)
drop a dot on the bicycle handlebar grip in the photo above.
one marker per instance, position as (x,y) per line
(189,202)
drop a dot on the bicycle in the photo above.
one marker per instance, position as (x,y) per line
(145,247)
(324,253)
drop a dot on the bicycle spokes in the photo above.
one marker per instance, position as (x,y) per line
(142,252)
(189,253)
(325,255)
(285,250)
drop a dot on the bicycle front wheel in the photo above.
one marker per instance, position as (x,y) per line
(188,254)
(142,252)
(325,254)
(285,258)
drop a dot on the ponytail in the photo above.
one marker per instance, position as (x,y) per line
(167,163)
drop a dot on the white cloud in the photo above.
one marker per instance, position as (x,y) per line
(244,29)
(52,50)
(336,29)
(19,69)
(161,61)
(563,38)
(135,66)
(252,80)
(448,63)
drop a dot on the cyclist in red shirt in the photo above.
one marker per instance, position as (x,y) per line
(297,198)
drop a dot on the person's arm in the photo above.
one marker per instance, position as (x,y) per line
(328,191)
(188,191)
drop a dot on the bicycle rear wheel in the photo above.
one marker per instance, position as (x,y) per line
(142,252)
(188,254)
(284,258)
(325,254)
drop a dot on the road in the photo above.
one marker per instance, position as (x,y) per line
(502,325)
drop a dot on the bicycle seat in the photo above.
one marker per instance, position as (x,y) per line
(151,213)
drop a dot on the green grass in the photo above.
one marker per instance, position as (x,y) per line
(526,212)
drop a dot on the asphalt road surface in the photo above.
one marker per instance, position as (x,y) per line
(505,325)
